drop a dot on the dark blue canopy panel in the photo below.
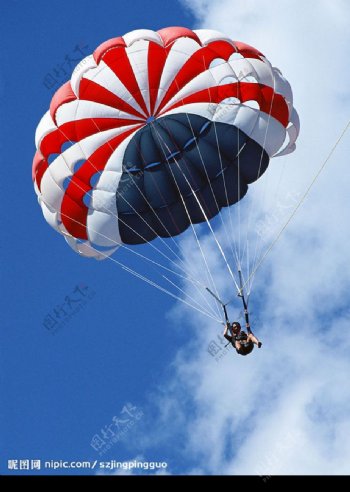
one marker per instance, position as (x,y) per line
(183,168)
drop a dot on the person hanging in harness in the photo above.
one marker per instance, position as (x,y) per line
(243,342)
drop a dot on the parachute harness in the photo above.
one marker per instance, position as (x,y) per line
(240,294)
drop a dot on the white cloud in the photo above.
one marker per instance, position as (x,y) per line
(285,408)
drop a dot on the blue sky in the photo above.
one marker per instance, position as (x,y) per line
(59,390)
(131,344)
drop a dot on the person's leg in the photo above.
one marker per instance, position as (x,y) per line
(238,345)
(253,339)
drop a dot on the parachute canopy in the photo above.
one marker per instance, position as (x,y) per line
(155,131)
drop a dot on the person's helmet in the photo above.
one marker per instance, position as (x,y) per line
(235,324)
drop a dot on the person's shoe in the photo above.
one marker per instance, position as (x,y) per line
(259,344)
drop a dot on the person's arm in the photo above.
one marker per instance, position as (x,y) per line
(226,335)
